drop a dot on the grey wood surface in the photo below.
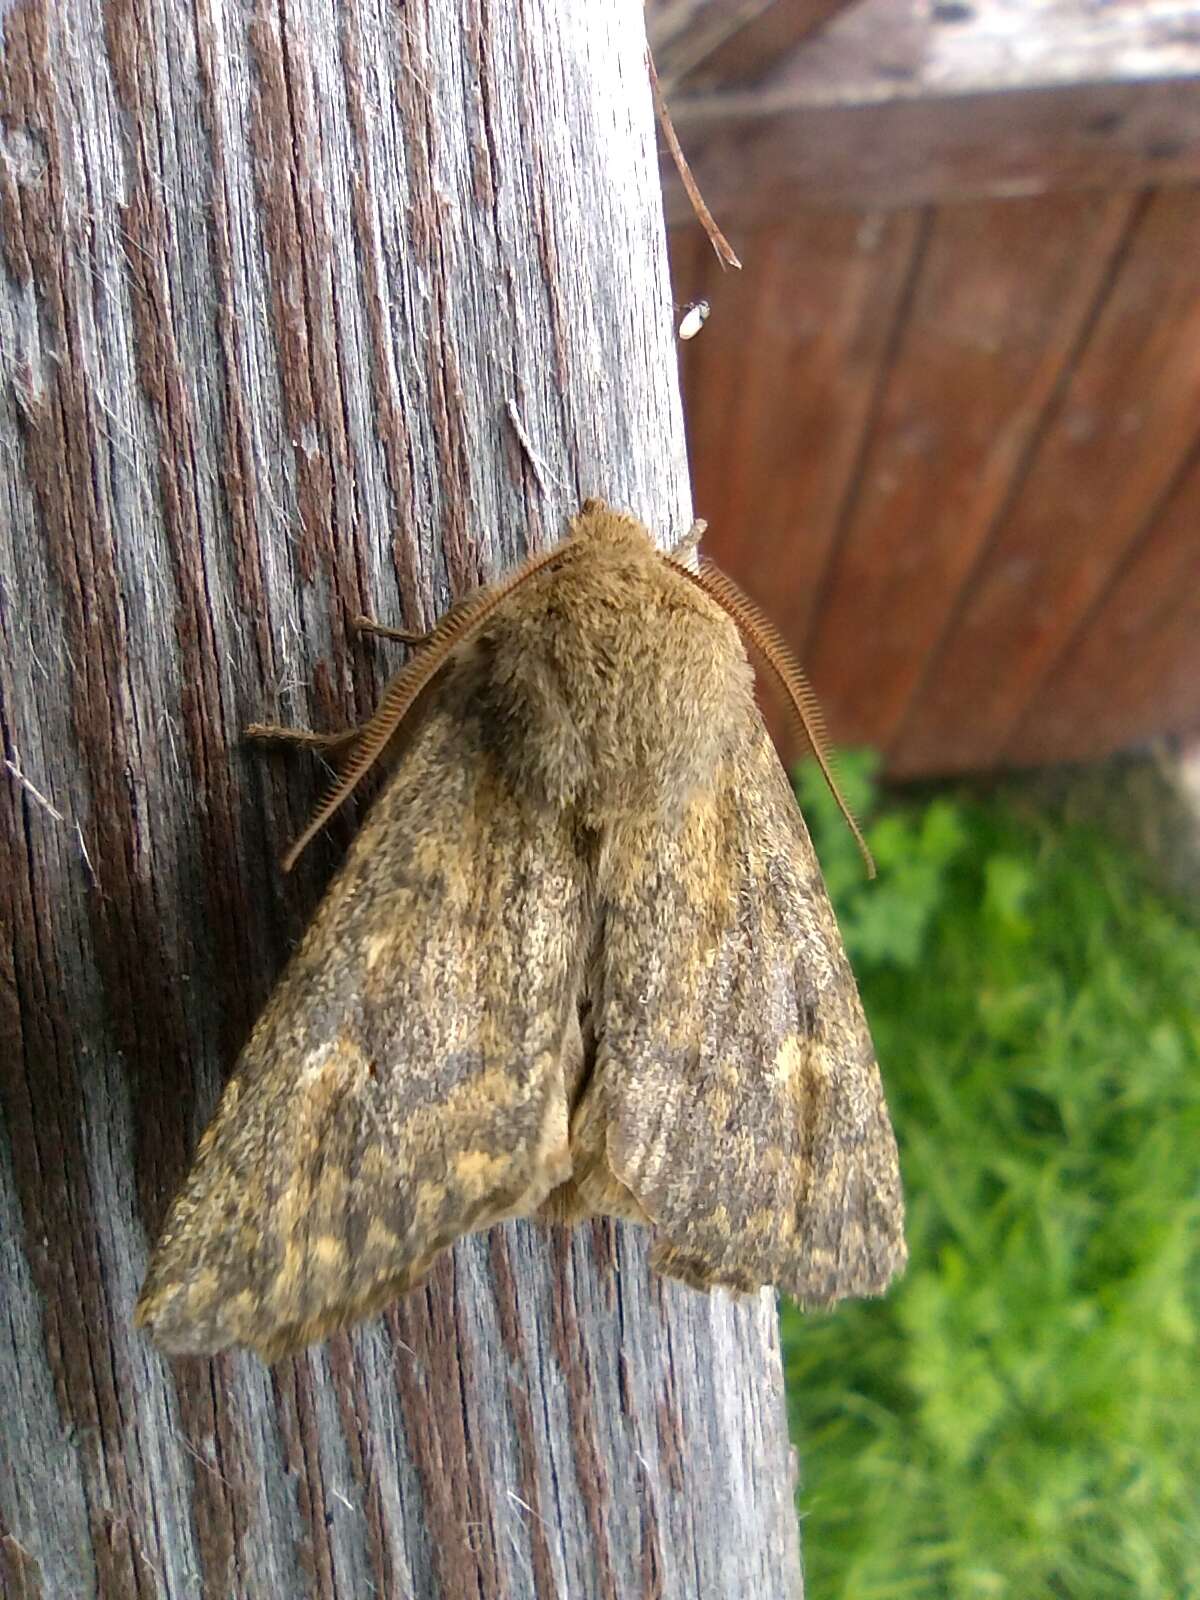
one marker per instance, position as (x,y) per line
(275,279)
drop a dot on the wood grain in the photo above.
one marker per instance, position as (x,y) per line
(1004,296)
(1123,428)
(1131,670)
(889,410)
(272,278)
(781,388)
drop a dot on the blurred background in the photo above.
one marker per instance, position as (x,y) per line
(945,427)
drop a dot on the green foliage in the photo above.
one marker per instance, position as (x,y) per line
(1020,1417)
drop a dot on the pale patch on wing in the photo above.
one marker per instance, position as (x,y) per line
(476,1172)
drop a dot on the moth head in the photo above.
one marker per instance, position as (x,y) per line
(602,524)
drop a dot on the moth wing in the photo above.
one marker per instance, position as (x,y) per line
(404,1084)
(736,1080)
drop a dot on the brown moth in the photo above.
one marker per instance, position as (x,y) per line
(579,960)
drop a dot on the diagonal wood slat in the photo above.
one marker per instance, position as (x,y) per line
(1122,431)
(1133,668)
(1004,295)
(781,386)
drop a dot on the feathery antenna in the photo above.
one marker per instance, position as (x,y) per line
(456,628)
(761,633)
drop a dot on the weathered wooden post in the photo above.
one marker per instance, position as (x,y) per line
(308,310)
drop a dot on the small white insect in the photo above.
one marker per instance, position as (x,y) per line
(695,316)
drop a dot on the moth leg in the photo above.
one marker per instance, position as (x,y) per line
(301,738)
(400,635)
(690,539)
(415,640)
(331,743)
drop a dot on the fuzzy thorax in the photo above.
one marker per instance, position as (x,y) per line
(610,682)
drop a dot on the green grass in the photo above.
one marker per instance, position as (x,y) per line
(1020,1417)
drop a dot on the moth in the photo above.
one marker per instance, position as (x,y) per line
(579,961)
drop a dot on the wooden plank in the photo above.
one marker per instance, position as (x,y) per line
(274,276)
(897,102)
(916,49)
(997,312)
(707,44)
(1119,435)
(1133,669)
(753,165)
(1174,700)
(779,388)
